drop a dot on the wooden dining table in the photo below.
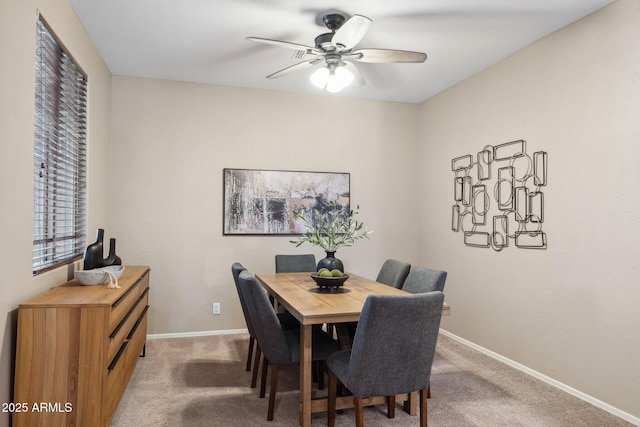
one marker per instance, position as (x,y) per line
(311,305)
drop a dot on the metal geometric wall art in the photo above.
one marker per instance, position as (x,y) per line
(498,197)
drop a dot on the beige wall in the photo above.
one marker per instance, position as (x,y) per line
(17,54)
(171,142)
(570,312)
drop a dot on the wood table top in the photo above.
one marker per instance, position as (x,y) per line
(300,295)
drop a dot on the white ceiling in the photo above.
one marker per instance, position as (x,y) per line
(203,41)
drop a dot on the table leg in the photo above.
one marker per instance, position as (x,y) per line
(305,376)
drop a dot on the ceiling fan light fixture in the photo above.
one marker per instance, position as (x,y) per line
(319,77)
(333,83)
(334,79)
(335,51)
(344,76)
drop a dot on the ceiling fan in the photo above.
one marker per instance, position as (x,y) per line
(335,51)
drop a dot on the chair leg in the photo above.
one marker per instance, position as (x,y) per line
(391,406)
(263,380)
(423,408)
(250,353)
(342,332)
(275,370)
(331,330)
(320,364)
(429,392)
(410,405)
(333,389)
(256,366)
(358,405)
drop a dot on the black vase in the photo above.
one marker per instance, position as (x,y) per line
(330,262)
(94,252)
(112,258)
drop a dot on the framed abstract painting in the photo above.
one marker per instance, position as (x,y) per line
(263,202)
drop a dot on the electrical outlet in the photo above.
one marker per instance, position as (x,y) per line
(216,308)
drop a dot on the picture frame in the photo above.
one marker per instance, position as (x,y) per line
(263,202)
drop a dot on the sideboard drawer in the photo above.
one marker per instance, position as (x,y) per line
(144,284)
(119,334)
(137,339)
(123,364)
(122,306)
(116,380)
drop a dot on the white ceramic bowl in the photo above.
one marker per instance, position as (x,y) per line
(98,276)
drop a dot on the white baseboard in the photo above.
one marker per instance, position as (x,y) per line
(197,334)
(587,398)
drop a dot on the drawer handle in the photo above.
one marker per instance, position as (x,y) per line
(114,362)
(122,298)
(135,327)
(135,285)
(126,317)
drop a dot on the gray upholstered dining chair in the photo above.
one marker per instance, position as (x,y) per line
(236,269)
(287,321)
(279,347)
(298,263)
(421,279)
(393,273)
(392,328)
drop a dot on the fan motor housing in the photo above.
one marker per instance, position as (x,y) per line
(333,21)
(323,41)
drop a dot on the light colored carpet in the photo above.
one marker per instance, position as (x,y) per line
(201,381)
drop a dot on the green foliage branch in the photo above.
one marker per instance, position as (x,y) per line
(331,230)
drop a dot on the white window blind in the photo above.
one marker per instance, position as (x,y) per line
(59,191)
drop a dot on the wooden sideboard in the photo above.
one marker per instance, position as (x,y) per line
(76,349)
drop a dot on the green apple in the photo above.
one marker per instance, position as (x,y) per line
(336,273)
(324,273)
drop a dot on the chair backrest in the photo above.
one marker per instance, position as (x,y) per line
(394,344)
(267,327)
(421,279)
(295,263)
(236,269)
(393,273)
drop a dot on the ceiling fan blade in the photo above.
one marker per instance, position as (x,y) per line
(296,67)
(287,45)
(358,79)
(388,55)
(351,32)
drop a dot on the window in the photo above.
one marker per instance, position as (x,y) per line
(59,189)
